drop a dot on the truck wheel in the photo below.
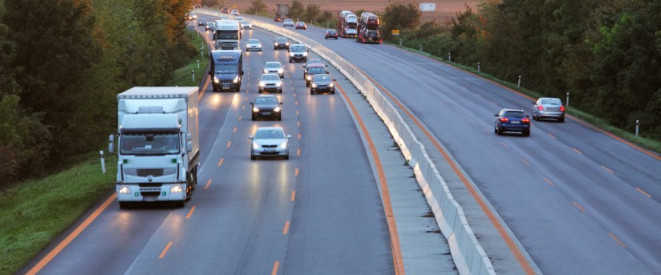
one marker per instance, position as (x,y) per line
(179,204)
(124,204)
(253,157)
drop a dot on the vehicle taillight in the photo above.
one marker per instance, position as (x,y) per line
(540,107)
(562,108)
(504,119)
(525,120)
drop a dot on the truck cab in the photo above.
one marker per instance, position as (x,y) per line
(226,69)
(227,34)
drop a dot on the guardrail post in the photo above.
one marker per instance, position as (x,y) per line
(478,66)
(400,41)
(637,126)
(449,57)
(518,84)
(192,72)
(420,46)
(567,101)
(103,163)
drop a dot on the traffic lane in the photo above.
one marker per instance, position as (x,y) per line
(429,104)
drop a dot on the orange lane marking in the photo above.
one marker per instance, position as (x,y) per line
(220,162)
(192,209)
(296,112)
(504,145)
(229,143)
(644,193)
(293,195)
(578,206)
(204,88)
(523,262)
(275,268)
(616,239)
(286,229)
(296,172)
(299,136)
(298,152)
(525,162)
(549,182)
(208,183)
(607,170)
(577,151)
(243,107)
(240,117)
(298,123)
(296,102)
(387,206)
(53,253)
(552,136)
(165,250)
(234,131)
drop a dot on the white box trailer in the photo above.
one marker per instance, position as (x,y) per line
(158,144)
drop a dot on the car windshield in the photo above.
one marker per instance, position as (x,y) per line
(322,77)
(270,77)
(280,39)
(316,70)
(266,100)
(253,41)
(270,134)
(149,144)
(551,101)
(227,35)
(515,114)
(272,65)
(297,48)
(314,60)
(226,69)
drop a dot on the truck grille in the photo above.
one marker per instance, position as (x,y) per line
(153,191)
(150,172)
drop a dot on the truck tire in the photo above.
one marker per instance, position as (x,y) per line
(124,205)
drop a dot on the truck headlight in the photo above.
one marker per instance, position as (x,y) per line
(236,79)
(255,109)
(216,80)
(176,189)
(124,190)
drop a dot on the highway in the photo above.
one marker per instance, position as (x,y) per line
(579,200)
(318,212)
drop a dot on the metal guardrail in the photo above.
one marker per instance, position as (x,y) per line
(467,253)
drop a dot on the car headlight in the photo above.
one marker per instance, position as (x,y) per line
(259,45)
(278,84)
(314,85)
(280,71)
(308,77)
(266,71)
(216,80)
(287,44)
(305,53)
(236,79)
(331,85)
(124,190)
(176,189)
(255,109)
(291,53)
(276,109)
(261,84)
(276,43)
(255,145)
(283,145)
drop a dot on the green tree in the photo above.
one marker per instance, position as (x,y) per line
(400,16)
(257,6)
(296,10)
(312,11)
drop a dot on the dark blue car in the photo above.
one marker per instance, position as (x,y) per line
(512,120)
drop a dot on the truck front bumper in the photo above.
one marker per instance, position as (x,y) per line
(151,192)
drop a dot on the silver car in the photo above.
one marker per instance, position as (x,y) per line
(270,82)
(274,67)
(288,22)
(269,142)
(246,24)
(547,107)
(254,45)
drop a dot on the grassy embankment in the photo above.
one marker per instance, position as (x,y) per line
(652,144)
(35,212)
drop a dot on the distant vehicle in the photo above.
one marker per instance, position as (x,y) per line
(331,33)
(547,107)
(298,52)
(190,16)
(512,120)
(322,83)
(246,24)
(225,10)
(266,106)
(253,45)
(269,142)
(281,11)
(238,18)
(193,16)
(227,35)
(226,69)
(210,26)
(288,22)
(313,69)
(347,24)
(201,23)
(197,6)
(274,67)
(300,25)
(281,42)
(270,82)
(158,145)
(234,12)
(310,61)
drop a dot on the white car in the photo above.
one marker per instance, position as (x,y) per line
(246,24)
(269,142)
(253,45)
(288,22)
(274,67)
(234,12)
(270,82)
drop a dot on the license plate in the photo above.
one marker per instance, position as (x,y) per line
(226,86)
(516,122)
(269,150)
(266,113)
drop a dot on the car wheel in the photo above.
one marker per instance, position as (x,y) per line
(290,60)
(497,131)
(124,204)
(335,38)
(279,118)
(254,117)
(280,91)
(287,157)
(274,48)
(179,204)
(253,157)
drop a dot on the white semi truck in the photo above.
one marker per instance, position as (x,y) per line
(227,35)
(158,144)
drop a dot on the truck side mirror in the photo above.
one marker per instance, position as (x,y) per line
(189,146)
(288,136)
(111,144)
(250,137)
(189,137)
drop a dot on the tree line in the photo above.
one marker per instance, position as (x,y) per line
(606,53)
(63,62)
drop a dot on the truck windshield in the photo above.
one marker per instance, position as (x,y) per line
(149,144)
(226,69)
(227,35)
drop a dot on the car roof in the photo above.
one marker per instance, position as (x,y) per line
(316,65)
(273,62)
(271,74)
(253,40)
(269,128)
(267,96)
(511,110)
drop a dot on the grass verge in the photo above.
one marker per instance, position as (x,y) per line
(651,144)
(183,75)
(35,212)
